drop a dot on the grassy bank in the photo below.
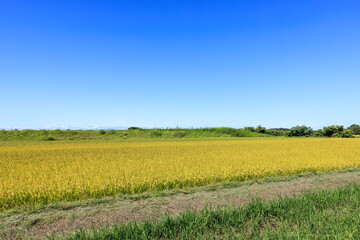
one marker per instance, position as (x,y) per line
(55,135)
(328,214)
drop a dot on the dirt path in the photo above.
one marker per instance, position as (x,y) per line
(63,221)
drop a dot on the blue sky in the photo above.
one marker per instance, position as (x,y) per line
(183,63)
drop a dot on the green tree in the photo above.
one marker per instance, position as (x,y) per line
(260,129)
(300,131)
(355,128)
(333,131)
(347,134)
(250,129)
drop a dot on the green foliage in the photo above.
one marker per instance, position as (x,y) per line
(319,133)
(281,129)
(322,215)
(274,132)
(250,129)
(179,134)
(69,132)
(111,132)
(300,131)
(331,130)
(347,134)
(355,128)
(156,133)
(134,133)
(260,129)
(232,132)
(138,133)
(49,138)
(337,131)
(58,131)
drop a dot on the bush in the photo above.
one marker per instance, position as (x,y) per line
(250,129)
(58,131)
(227,131)
(179,134)
(44,132)
(26,132)
(111,132)
(102,131)
(49,138)
(69,132)
(156,133)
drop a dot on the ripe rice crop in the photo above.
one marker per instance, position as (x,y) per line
(33,173)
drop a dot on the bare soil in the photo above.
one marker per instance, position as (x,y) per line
(45,221)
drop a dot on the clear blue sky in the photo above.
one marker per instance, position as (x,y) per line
(179,63)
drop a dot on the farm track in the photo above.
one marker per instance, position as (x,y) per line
(62,220)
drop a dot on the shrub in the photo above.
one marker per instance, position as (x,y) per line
(49,138)
(102,131)
(58,131)
(156,133)
(179,134)
(250,129)
(227,131)
(111,132)
(69,132)
(44,132)
(26,132)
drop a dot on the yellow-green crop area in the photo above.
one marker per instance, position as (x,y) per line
(33,173)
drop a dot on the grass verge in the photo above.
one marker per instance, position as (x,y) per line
(327,214)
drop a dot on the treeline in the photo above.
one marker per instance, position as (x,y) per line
(139,133)
(304,131)
(130,133)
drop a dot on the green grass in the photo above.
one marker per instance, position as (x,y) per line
(176,133)
(328,214)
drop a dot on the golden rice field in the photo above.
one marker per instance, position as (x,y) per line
(47,172)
